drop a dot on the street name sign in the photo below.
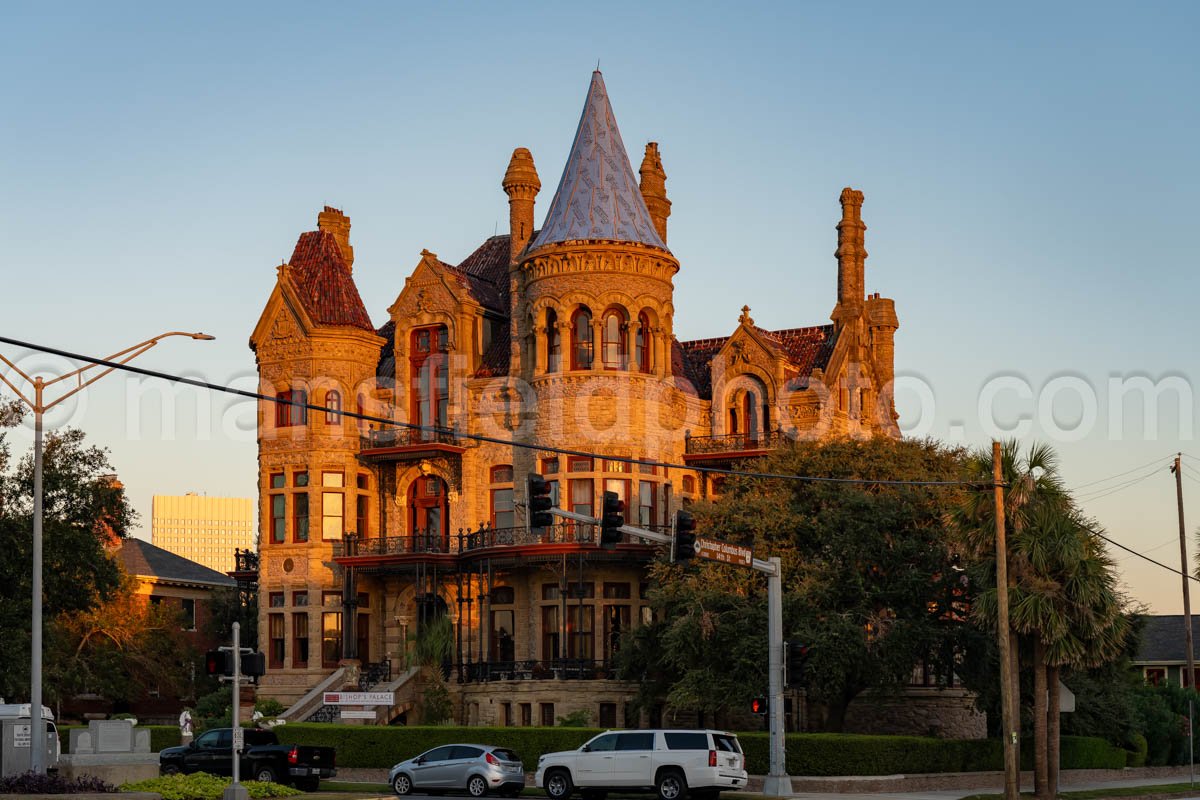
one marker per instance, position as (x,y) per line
(239,738)
(725,552)
(358,698)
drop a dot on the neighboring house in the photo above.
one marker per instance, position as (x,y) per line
(166,578)
(1162,652)
(560,336)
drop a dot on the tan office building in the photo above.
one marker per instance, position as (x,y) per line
(203,529)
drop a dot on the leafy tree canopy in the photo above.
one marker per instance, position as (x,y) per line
(82,510)
(869,579)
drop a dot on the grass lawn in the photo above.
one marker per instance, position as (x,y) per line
(1155,789)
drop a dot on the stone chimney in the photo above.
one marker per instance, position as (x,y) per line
(521,184)
(337,223)
(851,254)
(654,189)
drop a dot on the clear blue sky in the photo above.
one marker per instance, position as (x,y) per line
(1031,176)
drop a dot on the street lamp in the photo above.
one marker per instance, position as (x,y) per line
(39,406)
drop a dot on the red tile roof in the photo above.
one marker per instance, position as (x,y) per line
(806,348)
(324,282)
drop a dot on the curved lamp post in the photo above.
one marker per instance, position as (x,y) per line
(39,406)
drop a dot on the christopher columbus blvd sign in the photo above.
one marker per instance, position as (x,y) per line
(724,552)
(358,698)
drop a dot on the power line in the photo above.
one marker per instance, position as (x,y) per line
(1140,555)
(1106,491)
(476,436)
(1119,474)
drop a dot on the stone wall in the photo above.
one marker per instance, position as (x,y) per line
(918,711)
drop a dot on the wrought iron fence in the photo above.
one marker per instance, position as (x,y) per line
(736,442)
(567,532)
(535,670)
(374,674)
(392,545)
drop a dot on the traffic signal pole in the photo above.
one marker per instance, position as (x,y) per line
(777,782)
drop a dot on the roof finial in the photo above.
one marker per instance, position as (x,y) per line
(745,317)
(597,65)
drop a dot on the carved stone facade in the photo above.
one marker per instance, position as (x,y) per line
(369,528)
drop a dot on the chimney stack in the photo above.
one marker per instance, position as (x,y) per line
(334,221)
(521,184)
(851,254)
(654,189)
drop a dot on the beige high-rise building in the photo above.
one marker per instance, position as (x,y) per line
(203,529)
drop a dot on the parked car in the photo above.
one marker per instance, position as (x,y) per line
(474,768)
(263,759)
(675,764)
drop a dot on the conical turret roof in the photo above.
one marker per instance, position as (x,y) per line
(598,196)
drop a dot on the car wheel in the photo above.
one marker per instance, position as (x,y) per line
(558,785)
(402,784)
(476,786)
(168,769)
(671,785)
(264,773)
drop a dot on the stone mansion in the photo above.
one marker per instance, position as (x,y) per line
(559,336)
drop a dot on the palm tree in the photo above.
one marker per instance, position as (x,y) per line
(1063,600)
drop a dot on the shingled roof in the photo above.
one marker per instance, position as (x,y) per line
(144,560)
(1162,639)
(324,283)
(806,348)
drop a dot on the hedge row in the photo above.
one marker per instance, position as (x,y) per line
(807,753)
(160,736)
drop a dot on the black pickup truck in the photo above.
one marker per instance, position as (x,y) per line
(263,759)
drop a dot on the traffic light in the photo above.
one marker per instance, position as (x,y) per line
(796,657)
(216,662)
(611,519)
(537,491)
(685,536)
(759,706)
(254,664)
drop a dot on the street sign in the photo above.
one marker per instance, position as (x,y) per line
(359,698)
(348,714)
(239,739)
(724,552)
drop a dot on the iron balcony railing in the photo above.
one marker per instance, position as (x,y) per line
(534,670)
(480,539)
(405,437)
(735,442)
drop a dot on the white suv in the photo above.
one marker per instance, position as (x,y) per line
(674,764)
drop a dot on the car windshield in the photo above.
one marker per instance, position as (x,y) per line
(505,755)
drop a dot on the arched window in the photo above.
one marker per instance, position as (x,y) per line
(615,350)
(581,339)
(553,343)
(641,344)
(333,402)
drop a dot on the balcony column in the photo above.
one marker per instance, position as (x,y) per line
(540,347)
(597,343)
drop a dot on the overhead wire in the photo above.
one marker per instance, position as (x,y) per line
(1109,490)
(1119,474)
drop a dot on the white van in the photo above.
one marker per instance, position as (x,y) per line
(16,732)
(672,763)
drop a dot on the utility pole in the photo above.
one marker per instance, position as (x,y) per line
(1183,568)
(1008,698)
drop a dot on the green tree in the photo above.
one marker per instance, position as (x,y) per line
(82,510)
(119,649)
(869,580)
(433,649)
